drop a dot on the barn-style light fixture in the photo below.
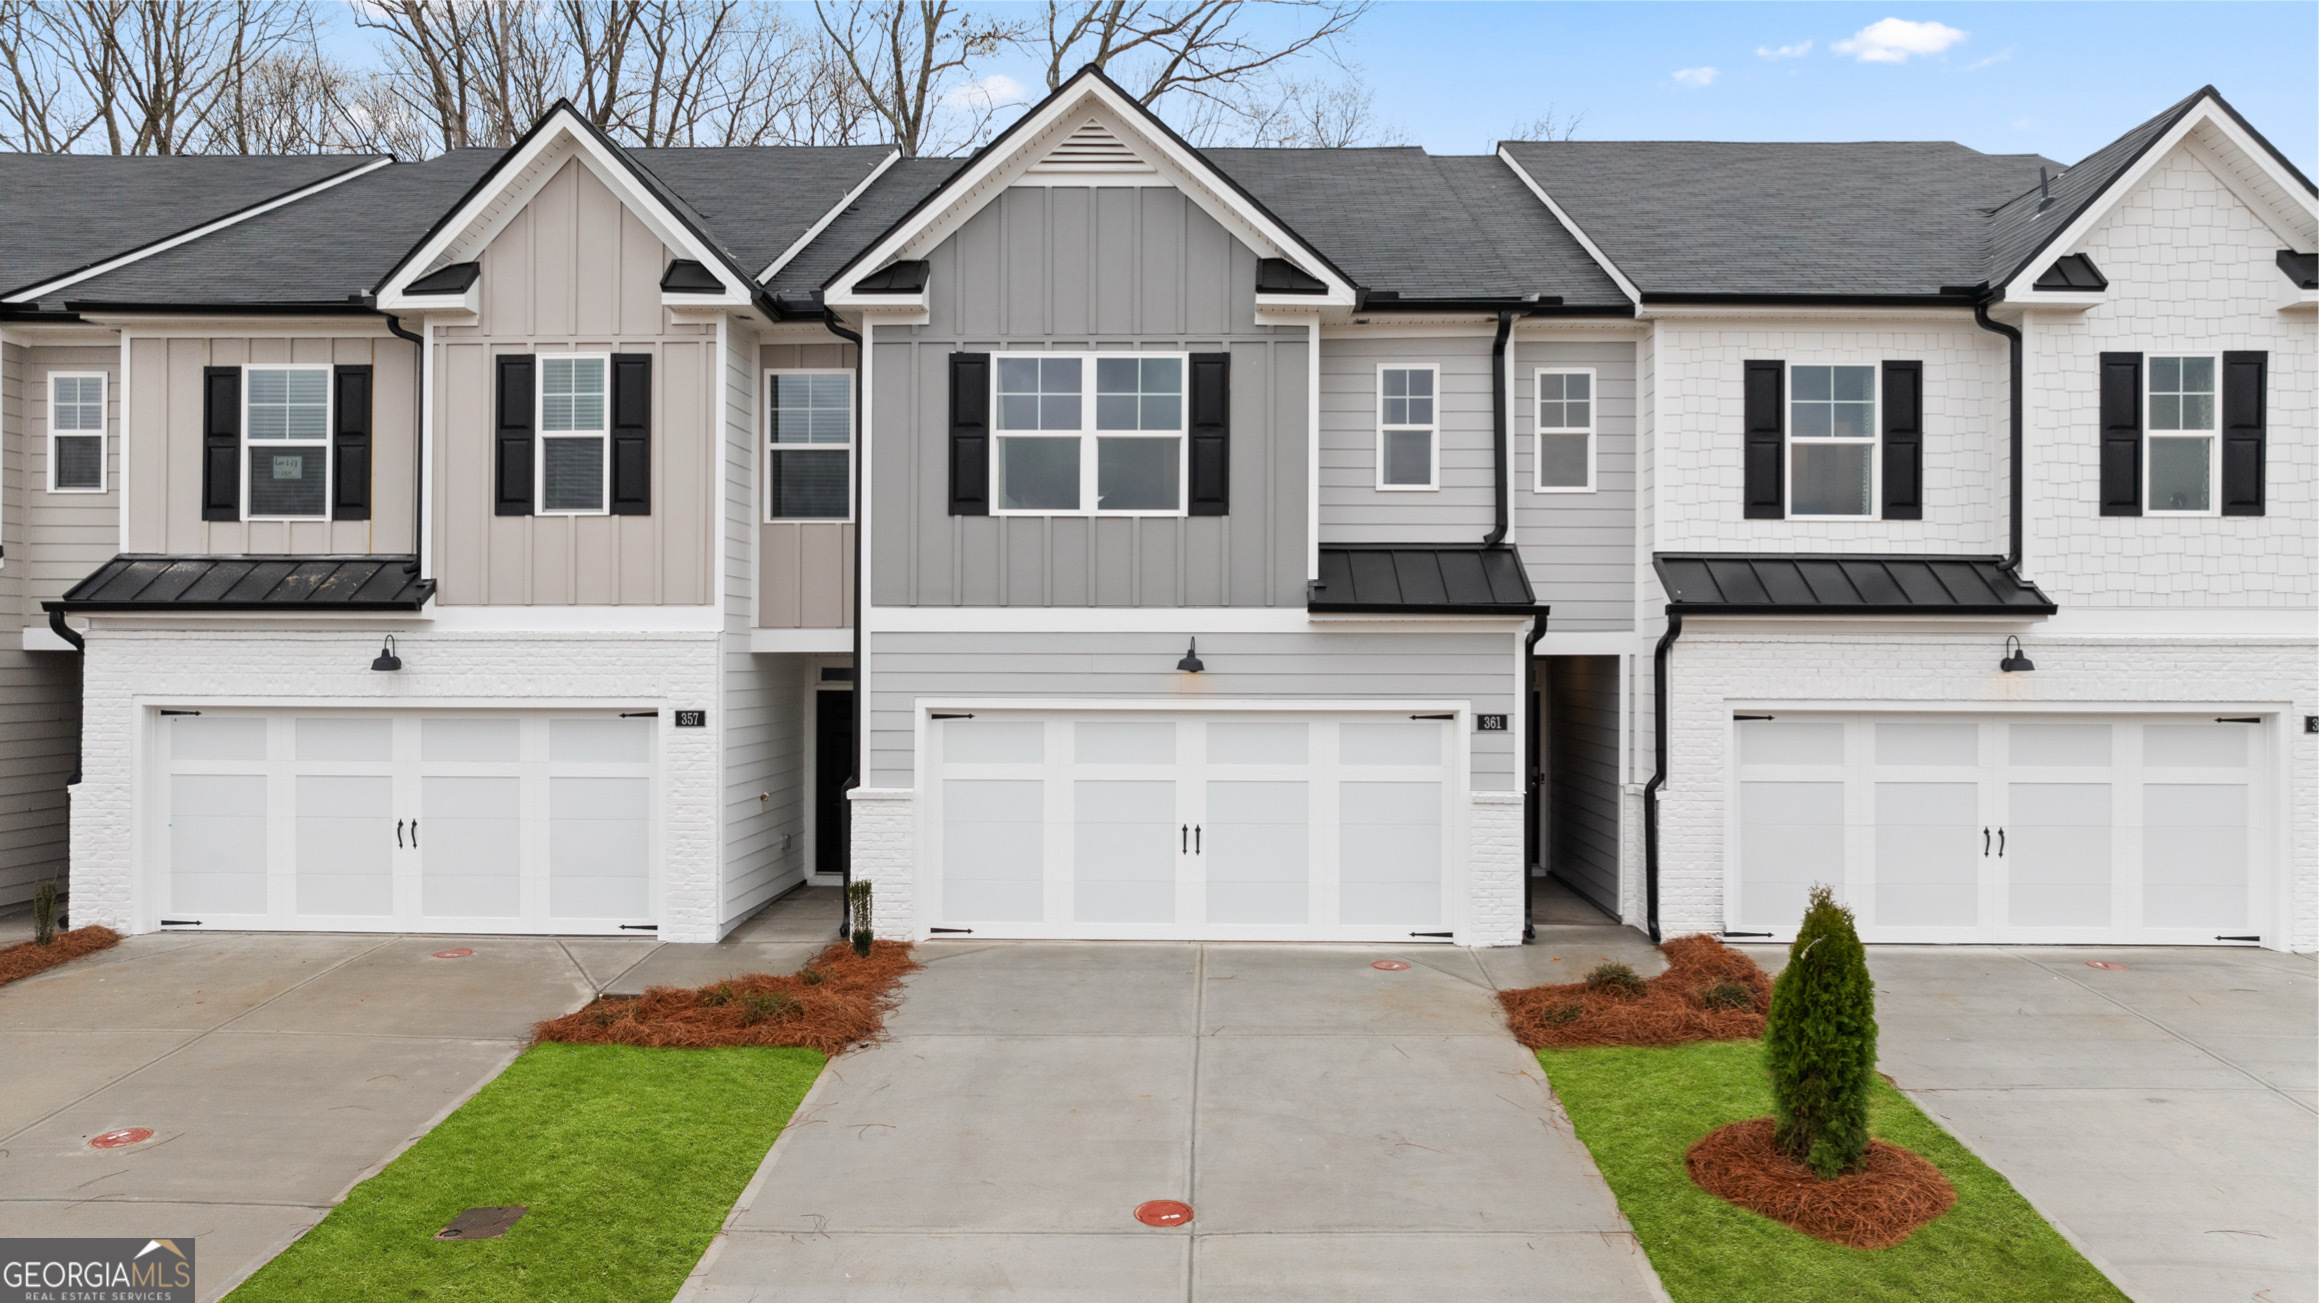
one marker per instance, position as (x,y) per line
(2015,662)
(387,660)
(1190,664)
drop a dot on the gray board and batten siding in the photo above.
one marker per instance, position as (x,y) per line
(805,568)
(1578,548)
(39,691)
(575,271)
(1296,668)
(1089,269)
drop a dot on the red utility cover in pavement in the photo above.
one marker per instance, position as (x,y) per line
(1389,965)
(125,1136)
(1163,1212)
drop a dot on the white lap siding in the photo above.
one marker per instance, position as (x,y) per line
(132,671)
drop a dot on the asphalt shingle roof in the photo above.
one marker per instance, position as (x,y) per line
(869,216)
(755,202)
(62,212)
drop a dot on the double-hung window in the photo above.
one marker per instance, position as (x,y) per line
(286,412)
(1566,412)
(574,403)
(76,433)
(809,456)
(2181,446)
(1408,423)
(1090,434)
(1832,441)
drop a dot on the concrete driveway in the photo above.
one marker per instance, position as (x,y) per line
(2162,1115)
(277,1070)
(1340,1132)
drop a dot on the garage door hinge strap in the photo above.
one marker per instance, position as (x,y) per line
(1430,934)
(1747,934)
(1444,715)
(2238,938)
(940,715)
(180,712)
(1747,717)
(181,922)
(950,929)
(640,927)
(2238,719)
(639,714)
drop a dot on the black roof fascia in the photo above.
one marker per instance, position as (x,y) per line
(296,583)
(903,276)
(227,219)
(1989,571)
(2068,271)
(34,312)
(1948,296)
(362,307)
(451,278)
(1096,71)
(686,276)
(1280,276)
(1491,307)
(2301,268)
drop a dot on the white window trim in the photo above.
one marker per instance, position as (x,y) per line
(540,437)
(1088,434)
(1432,431)
(852,440)
(102,432)
(1538,430)
(2212,434)
(326,443)
(1875,442)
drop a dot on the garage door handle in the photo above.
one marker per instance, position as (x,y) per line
(1195,839)
(414,834)
(1984,843)
(398,832)
(1183,838)
(2000,841)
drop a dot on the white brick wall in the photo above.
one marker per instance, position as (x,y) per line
(128,669)
(885,854)
(1493,870)
(2191,269)
(1838,669)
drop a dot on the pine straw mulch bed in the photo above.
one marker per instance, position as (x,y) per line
(28,957)
(1885,1202)
(839,999)
(1709,992)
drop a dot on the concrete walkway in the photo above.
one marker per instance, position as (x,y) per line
(1341,1132)
(277,1070)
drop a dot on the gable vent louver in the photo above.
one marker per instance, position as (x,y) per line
(1091,148)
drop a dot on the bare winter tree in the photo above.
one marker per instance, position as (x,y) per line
(38,112)
(1549,125)
(911,61)
(1198,48)
(1310,114)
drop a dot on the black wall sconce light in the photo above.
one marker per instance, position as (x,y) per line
(387,660)
(2015,662)
(1190,664)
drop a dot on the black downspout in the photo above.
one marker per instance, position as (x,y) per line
(80,649)
(2013,346)
(418,445)
(1497,532)
(1533,778)
(1658,773)
(853,780)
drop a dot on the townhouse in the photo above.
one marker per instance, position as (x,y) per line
(1102,537)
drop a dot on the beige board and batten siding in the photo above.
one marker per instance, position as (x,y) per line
(57,539)
(164,444)
(574,271)
(805,568)
(1109,269)
(39,691)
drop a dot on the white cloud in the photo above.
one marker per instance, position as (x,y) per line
(1695,76)
(991,92)
(1896,40)
(1796,51)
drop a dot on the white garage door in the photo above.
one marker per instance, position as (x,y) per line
(2023,829)
(391,821)
(1238,827)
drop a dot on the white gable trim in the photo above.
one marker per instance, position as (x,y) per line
(1034,139)
(2207,114)
(485,214)
(2215,155)
(1593,250)
(46,288)
(814,231)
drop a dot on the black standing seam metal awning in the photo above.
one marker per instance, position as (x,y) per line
(1736,584)
(136,581)
(1420,579)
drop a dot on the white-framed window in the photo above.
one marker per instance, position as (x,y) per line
(286,442)
(1832,444)
(809,444)
(1089,434)
(1568,404)
(2181,441)
(76,432)
(1408,427)
(575,414)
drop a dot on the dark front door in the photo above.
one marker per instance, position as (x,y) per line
(833,763)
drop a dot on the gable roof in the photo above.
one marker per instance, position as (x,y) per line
(896,192)
(754,201)
(63,213)
(1423,227)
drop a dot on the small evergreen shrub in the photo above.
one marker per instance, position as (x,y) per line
(812,976)
(44,913)
(1614,979)
(717,996)
(757,1006)
(857,894)
(1819,1043)
(1727,995)
(1563,1013)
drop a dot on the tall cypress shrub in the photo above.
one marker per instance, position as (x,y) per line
(1820,1042)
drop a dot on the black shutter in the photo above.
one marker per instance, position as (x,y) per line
(221,443)
(511,443)
(1766,440)
(2121,434)
(2245,378)
(1904,441)
(1211,431)
(970,434)
(350,443)
(631,434)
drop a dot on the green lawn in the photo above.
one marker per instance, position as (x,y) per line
(628,1158)
(1638,1110)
